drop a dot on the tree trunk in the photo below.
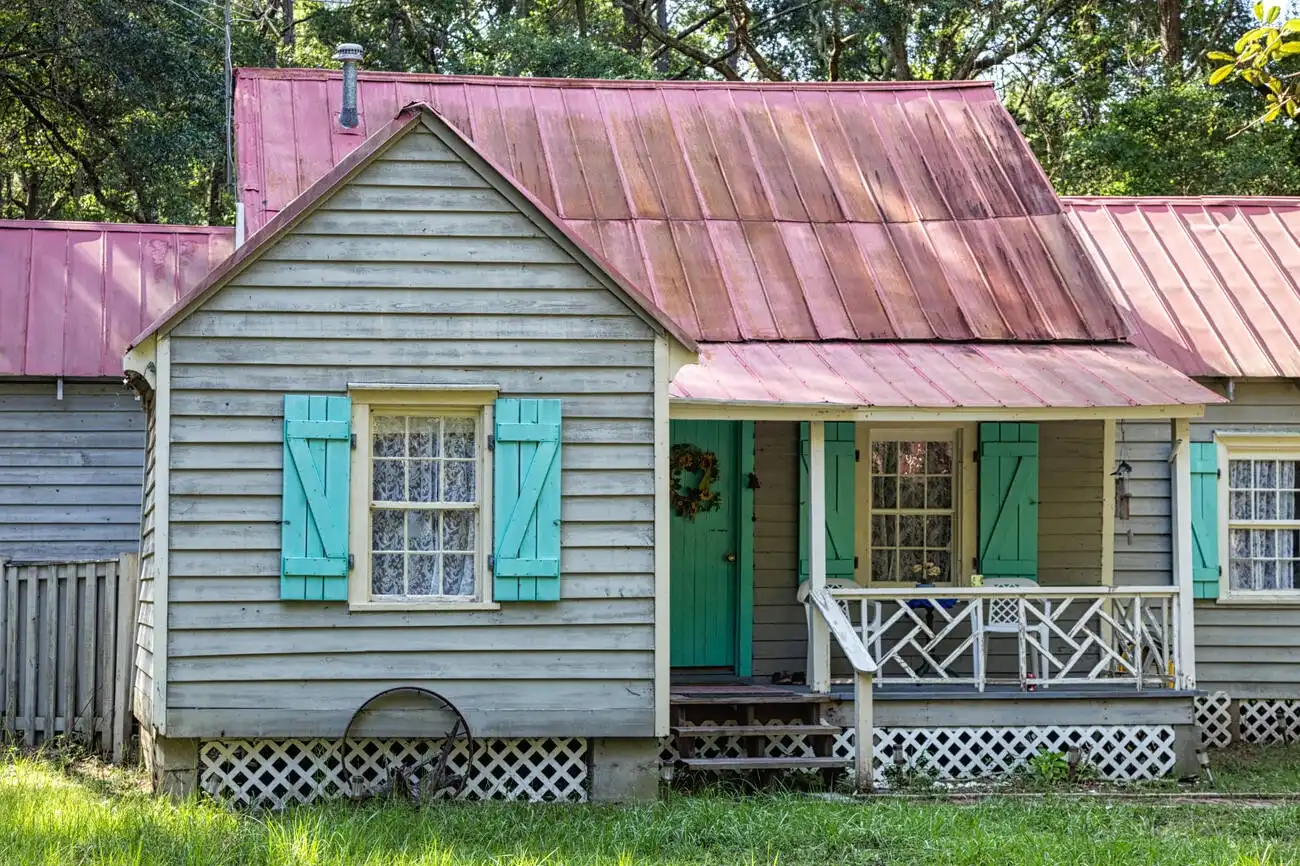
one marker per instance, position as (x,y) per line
(580,12)
(286,15)
(661,18)
(216,183)
(1171,32)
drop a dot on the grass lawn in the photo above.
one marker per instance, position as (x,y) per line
(83,813)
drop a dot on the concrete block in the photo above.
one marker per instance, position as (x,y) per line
(624,770)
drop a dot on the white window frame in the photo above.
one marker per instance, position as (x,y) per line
(963,439)
(415,400)
(1249,446)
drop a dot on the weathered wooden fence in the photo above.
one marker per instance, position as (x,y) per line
(66,667)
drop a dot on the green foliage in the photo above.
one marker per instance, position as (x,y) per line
(1264,57)
(1048,768)
(917,777)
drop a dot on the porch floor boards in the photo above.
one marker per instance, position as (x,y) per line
(723,693)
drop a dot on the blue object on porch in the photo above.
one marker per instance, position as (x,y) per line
(928,603)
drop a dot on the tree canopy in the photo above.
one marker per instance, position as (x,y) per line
(116,109)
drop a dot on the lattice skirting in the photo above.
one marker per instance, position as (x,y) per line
(1120,752)
(1269,721)
(278,773)
(1214,718)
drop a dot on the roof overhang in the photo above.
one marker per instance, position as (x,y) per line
(910,382)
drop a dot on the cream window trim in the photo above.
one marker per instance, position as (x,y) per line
(416,401)
(964,531)
(1249,445)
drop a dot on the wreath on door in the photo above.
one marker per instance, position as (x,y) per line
(691,500)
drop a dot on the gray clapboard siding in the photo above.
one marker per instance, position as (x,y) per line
(1245,651)
(1071,481)
(410,275)
(780,629)
(142,689)
(70,470)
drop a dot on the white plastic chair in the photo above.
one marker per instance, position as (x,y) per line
(1003,617)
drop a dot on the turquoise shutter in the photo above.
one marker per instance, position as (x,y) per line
(314,528)
(526,501)
(841,455)
(1008,500)
(1205,520)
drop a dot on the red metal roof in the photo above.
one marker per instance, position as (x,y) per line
(1210,285)
(747,212)
(935,376)
(72,295)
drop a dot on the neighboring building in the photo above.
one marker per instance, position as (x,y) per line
(71,433)
(544,312)
(1210,286)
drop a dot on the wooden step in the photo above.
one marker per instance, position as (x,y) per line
(755,730)
(741,699)
(719,764)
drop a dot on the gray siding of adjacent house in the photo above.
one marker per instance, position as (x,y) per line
(415,272)
(1245,651)
(142,686)
(70,470)
(1071,497)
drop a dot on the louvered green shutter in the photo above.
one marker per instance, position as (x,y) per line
(841,455)
(314,529)
(526,501)
(1008,500)
(1205,520)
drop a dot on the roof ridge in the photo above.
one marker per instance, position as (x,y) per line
(1202,200)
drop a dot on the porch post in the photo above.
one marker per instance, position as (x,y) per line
(1181,479)
(819,635)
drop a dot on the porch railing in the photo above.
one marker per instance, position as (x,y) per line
(1063,636)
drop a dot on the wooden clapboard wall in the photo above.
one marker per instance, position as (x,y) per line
(65,669)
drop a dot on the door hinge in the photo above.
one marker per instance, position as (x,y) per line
(353,438)
(492,442)
(352,562)
(857,455)
(855,563)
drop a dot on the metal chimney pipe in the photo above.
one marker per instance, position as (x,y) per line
(350,54)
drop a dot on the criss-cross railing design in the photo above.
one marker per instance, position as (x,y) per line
(1062,636)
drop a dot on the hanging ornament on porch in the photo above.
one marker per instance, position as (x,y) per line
(691,500)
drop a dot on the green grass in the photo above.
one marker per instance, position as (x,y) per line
(54,812)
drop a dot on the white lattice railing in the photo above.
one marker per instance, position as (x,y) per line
(1064,636)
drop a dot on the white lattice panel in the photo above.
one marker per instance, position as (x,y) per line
(1270,721)
(1121,752)
(1214,718)
(277,773)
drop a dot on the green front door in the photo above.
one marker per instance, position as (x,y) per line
(705,555)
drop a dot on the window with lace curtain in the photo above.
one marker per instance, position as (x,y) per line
(913,509)
(1263,521)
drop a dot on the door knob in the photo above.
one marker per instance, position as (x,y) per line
(730,557)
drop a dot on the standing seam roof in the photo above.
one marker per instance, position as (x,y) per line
(773,212)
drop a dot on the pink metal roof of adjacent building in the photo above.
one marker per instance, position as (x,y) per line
(72,295)
(774,212)
(934,376)
(1210,285)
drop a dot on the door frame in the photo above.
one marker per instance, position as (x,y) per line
(740,487)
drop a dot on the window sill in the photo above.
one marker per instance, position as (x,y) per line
(1262,599)
(375,606)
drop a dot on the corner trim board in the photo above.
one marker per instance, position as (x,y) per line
(162,530)
(661,543)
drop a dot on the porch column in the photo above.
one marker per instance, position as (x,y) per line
(819,635)
(1180,475)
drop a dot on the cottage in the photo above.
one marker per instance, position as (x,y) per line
(1210,286)
(528,397)
(71,433)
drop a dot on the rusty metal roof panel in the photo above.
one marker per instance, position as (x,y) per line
(1209,285)
(935,376)
(896,211)
(72,295)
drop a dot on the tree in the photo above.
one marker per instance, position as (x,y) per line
(1265,58)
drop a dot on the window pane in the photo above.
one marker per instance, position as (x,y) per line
(458,437)
(1265,574)
(938,532)
(911,530)
(458,480)
(424,480)
(910,565)
(1266,506)
(911,458)
(1288,505)
(883,530)
(938,458)
(388,482)
(882,565)
(386,574)
(388,435)
(1240,505)
(911,492)
(386,530)
(1286,573)
(1262,543)
(884,458)
(940,565)
(1266,474)
(458,530)
(421,530)
(1239,542)
(884,493)
(1286,475)
(422,572)
(1241,574)
(1239,474)
(938,491)
(458,574)
(423,439)
(1287,546)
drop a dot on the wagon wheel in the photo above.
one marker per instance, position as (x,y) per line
(414,777)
